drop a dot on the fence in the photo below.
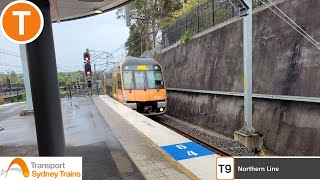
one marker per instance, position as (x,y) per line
(202,17)
(12,90)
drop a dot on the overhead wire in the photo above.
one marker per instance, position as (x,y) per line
(297,29)
(123,46)
(1,49)
(293,22)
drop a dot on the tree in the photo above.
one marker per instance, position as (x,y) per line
(143,32)
(15,78)
(134,44)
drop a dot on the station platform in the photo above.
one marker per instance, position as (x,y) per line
(194,160)
(115,142)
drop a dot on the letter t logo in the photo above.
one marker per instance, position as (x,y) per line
(21,22)
(21,15)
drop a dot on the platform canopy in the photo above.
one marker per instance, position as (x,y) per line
(75,9)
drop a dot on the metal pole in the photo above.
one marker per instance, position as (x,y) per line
(9,82)
(212,12)
(70,92)
(45,89)
(247,57)
(26,80)
(127,15)
(198,19)
(96,78)
(72,78)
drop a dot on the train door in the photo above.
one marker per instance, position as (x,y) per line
(129,86)
(114,85)
(119,88)
(104,88)
(141,93)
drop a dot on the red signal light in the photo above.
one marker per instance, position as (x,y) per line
(86,56)
(88,72)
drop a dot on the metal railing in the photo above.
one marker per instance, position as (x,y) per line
(7,91)
(200,18)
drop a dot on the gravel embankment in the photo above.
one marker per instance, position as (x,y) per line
(229,146)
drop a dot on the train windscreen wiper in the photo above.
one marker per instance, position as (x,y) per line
(131,86)
(144,84)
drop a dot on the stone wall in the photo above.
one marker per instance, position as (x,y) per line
(284,63)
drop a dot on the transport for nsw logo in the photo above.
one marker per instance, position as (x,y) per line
(21,22)
(23,166)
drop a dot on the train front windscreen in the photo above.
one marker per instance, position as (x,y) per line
(143,80)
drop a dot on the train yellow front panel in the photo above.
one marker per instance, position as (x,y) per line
(130,95)
(142,95)
(156,95)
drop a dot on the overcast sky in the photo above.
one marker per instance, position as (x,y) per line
(103,32)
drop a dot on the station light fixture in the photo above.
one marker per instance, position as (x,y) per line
(98,11)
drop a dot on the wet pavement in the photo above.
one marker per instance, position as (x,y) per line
(86,133)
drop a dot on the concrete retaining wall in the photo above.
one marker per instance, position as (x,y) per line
(284,63)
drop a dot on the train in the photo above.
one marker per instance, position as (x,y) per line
(138,83)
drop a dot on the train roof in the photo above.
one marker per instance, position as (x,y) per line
(130,60)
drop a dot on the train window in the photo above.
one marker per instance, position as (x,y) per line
(140,79)
(128,80)
(154,79)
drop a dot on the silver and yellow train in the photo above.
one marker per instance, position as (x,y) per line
(139,84)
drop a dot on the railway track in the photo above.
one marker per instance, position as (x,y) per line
(198,141)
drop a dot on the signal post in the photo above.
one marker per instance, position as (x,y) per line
(87,68)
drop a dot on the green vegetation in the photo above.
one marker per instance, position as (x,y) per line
(222,15)
(168,15)
(65,78)
(144,31)
(10,78)
(187,6)
(20,98)
(187,37)
(63,93)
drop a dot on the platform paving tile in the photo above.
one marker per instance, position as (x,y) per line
(154,174)
(155,166)
(161,178)
(168,171)
(147,157)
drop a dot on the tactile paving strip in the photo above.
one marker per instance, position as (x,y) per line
(150,161)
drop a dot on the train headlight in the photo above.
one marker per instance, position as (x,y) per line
(161,109)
